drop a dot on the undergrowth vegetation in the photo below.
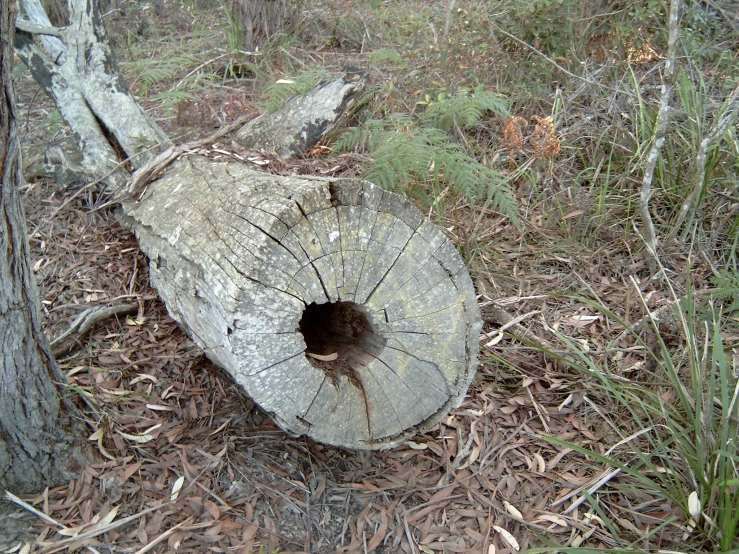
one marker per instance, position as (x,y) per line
(524,128)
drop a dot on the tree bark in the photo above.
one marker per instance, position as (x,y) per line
(258,20)
(41,442)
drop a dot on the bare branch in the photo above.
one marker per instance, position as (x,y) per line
(33,28)
(37,16)
(718,129)
(660,130)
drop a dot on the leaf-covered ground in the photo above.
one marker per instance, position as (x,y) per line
(189,464)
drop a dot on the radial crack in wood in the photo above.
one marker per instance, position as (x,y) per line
(263,270)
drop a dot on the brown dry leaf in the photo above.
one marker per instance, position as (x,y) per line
(212,508)
(130,470)
(380,534)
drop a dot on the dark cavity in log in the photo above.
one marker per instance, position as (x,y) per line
(339,328)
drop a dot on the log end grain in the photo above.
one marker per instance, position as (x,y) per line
(341,310)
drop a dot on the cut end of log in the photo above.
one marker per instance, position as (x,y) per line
(339,308)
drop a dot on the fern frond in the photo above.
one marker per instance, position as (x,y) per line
(389,55)
(727,286)
(464,109)
(405,154)
(151,72)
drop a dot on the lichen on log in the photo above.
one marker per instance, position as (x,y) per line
(340,309)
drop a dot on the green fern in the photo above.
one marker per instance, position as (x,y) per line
(406,154)
(277,93)
(410,151)
(464,109)
(386,55)
(150,72)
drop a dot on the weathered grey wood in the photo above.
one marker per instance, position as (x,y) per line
(89,91)
(339,308)
(239,256)
(60,160)
(36,15)
(304,120)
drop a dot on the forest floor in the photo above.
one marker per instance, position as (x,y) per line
(188,463)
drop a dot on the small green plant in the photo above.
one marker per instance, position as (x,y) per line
(277,93)
(54,122)
(386,56)
(150,72)
(727,286)
(418,154)
(462,110)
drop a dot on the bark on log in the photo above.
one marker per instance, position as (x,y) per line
(340,309)
(304,120)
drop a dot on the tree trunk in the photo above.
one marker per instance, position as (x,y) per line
(339,308)
(258,20)
(41,442)
(88,89)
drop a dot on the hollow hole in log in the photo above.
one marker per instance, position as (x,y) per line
(339,339)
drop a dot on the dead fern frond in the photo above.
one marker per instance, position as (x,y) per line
(513,137)
(545,142)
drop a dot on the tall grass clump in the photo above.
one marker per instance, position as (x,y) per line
(683,443)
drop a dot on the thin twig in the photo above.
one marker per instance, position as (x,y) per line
(198,68)
(147,173)
(84,323)
(64,543)
(26,506)
(163,536)
(501,317)
(548,59)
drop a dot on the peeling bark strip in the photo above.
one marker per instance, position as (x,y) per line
(342,311)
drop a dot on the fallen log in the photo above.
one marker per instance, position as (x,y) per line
(341,310)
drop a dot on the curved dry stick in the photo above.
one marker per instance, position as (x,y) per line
(84,322)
